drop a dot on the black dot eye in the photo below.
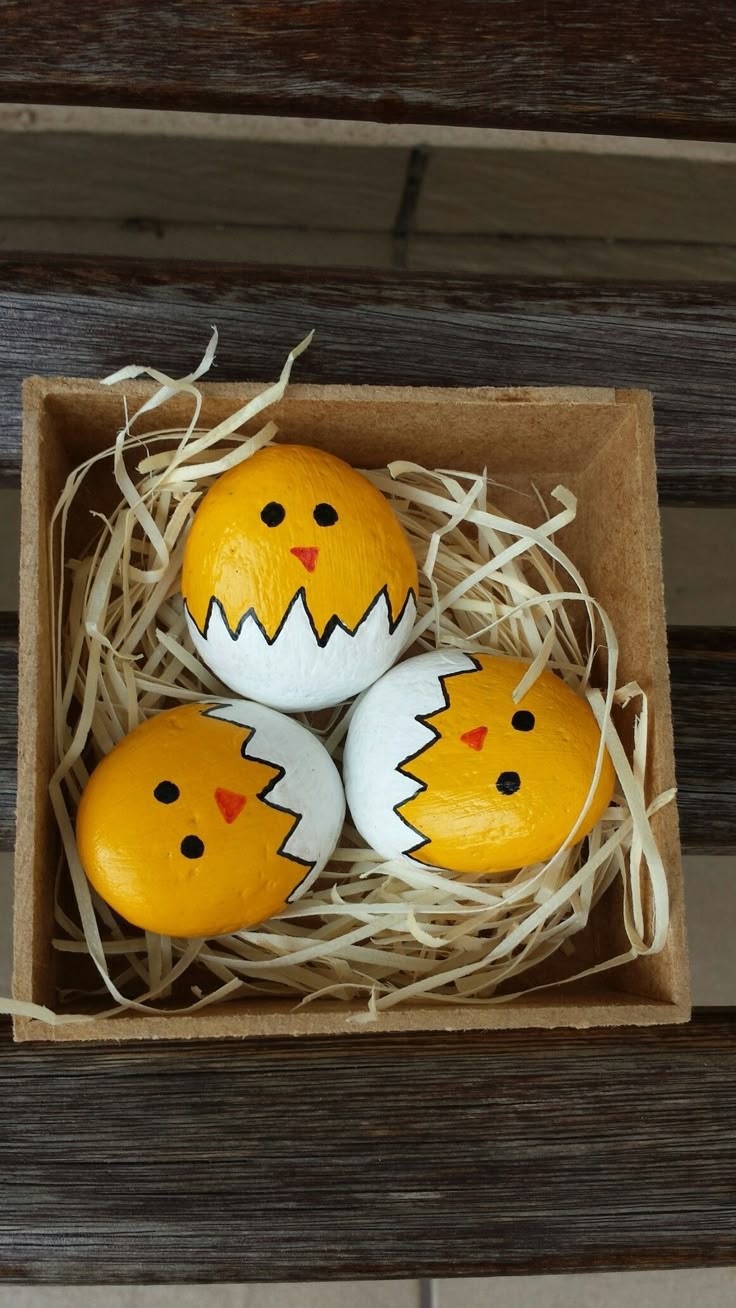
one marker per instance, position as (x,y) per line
(192,847)
(508,783)
(273,513)
(523,721)
(324,515)
(166,792)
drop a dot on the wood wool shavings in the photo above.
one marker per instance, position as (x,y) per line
(372,933)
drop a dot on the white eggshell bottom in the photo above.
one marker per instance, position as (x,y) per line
(296,672)
(383,733)
(310,785)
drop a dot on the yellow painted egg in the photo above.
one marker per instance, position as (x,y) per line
(444,769)
(209,818)
(299,582)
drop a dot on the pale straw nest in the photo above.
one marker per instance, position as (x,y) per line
(372,932)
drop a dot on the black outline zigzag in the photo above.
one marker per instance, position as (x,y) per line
(263,794)
(332,623)
(422,719)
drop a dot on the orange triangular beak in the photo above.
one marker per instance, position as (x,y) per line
(229,803)
(475,739)
(306,555)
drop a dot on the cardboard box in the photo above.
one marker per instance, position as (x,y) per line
(598,443)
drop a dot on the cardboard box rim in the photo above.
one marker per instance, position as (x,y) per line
(589,1002)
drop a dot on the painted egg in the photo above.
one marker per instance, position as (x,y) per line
(444,769)
(298,580)
(209,818)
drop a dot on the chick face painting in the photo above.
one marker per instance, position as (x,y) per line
(298,580)
(209,818)
(444,769)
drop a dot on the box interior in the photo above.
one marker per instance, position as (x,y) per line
(597,443)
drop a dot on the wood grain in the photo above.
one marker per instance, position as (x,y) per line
(147,238)
(543,193)
(578,259)
(587,259)
(703,672)
(8,726)
(84,317)
(369,1156)
(627,68)
(96,175)
(703,682)
(506,211)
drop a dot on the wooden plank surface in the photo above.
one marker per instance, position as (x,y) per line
(369,1156)
(703,681)
(85,317)
(588,259)
(507,211)
(703,672)
(96,175)
(8,726)
(628,68)
(108,175)
(543,193)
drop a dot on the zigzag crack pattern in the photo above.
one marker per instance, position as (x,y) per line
(434,735)
(333,624)
(215,712)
